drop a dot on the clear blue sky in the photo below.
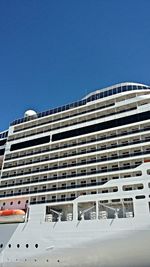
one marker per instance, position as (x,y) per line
(53,52)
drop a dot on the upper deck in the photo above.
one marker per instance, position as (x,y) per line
(98,94)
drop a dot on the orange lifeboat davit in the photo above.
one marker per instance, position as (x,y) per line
(12,216)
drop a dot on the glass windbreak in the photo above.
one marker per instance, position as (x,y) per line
(93,97)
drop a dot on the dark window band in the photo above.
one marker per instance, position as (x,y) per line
(102,126)
(3,142)
(34,142)
(2,152)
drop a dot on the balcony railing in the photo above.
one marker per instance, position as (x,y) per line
(54,189)
(77,164)
(81,153)
(94,172)
(71,124)
(65,117)
(81,143)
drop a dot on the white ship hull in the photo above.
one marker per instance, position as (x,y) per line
(107,243)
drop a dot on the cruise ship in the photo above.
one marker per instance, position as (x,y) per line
(75,183)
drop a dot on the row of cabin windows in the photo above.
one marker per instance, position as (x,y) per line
(72,114)
(84,183)
(92,182)
(74,121)
(139,187)
(125,199)
(102,126)
(81,171)
(19,202)
(133,187)
(84,130)
(35,179)
(93,192)
(79,142)
(59,117)
(49,149)
(64,185)
(18,245)
(79,161)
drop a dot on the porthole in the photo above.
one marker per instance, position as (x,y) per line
(19,202)
(11,203)
(9,245)
(1,245)
(18,245)
(27,201)
(36,245)
(27,245)
(4,204)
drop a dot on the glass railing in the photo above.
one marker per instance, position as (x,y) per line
(3,134)
(64,167)
(68,125)
(105,93)
(54,189)
(67,145)
(62,177)
(65,117)
(87,152)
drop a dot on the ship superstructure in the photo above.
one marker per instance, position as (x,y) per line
(81,174)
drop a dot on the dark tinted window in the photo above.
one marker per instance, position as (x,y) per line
(140,197)
(102,126)
(2,142)
(2,152)
(34,142)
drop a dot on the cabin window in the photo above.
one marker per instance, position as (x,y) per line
(93,181)
(132,187)
(138,174)
(128,199)
(148,172)
(115,200)
(140,197)
(93,192)
(115,177)
(104,191)
(104,179)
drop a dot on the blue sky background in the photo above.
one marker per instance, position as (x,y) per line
(53,52)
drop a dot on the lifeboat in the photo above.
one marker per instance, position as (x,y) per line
(12,216)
